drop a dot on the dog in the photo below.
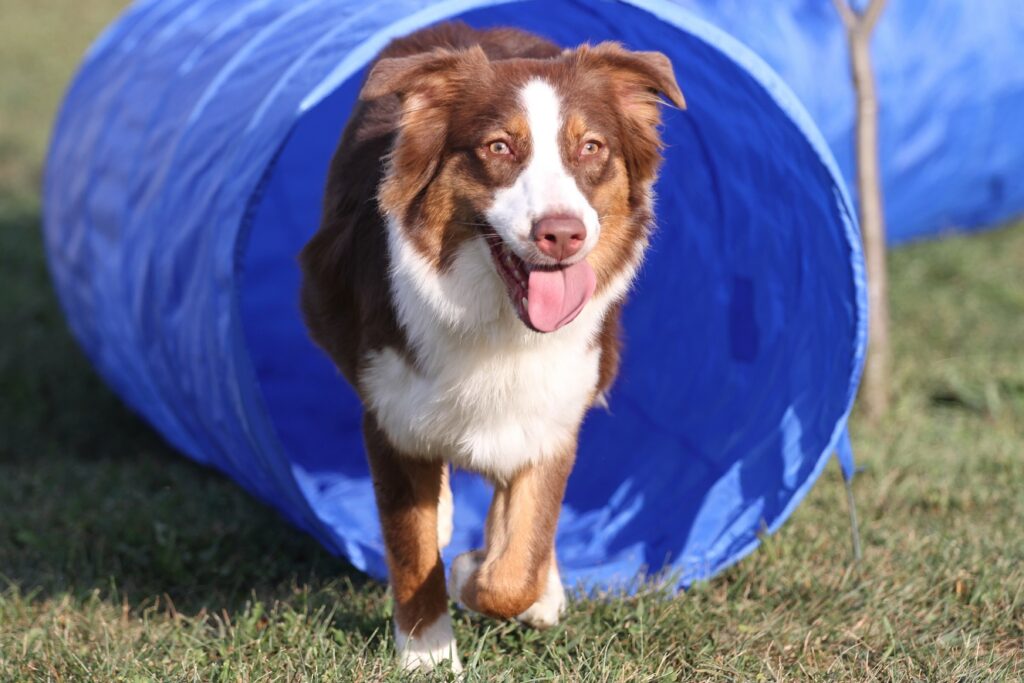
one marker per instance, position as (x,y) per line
(485,213)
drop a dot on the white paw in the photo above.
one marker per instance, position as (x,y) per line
(546,612)
(463,567)
(425,648)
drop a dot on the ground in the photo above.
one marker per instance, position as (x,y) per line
(122,561)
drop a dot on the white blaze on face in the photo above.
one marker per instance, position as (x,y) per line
(544,187)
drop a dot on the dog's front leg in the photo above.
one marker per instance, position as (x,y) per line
(407,492)
(516,568)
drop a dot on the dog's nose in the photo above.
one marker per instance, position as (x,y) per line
(560,237)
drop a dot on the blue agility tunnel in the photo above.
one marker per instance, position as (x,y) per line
(185,174)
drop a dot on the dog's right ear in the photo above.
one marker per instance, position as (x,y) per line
(428,85)
(430,74)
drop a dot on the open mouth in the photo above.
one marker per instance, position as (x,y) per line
(544,297)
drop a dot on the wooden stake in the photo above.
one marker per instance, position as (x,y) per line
(875,390)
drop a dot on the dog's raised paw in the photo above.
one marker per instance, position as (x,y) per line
(550,607)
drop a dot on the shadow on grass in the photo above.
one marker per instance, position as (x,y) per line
(93,500)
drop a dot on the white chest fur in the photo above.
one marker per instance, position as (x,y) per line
(485,392)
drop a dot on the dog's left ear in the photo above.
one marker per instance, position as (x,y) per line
(641,82)
(642,77)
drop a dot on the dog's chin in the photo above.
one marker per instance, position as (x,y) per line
(544,298)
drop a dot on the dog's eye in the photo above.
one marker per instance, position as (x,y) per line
(499,147)
(590,148)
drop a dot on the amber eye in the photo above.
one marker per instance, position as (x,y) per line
(499,147)
(590,148)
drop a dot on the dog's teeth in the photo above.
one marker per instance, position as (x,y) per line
(525,303)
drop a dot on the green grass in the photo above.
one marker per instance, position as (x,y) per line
(122,561)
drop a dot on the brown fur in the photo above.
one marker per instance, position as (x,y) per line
(417,142)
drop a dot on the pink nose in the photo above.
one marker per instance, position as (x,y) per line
(560,237)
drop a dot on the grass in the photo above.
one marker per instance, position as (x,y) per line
(122,561)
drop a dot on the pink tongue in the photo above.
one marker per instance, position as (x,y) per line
(555,297)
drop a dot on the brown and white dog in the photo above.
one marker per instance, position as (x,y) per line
(485,213)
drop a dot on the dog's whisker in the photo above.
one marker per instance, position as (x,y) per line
(479,225)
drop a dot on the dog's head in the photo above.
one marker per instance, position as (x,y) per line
(538,171)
